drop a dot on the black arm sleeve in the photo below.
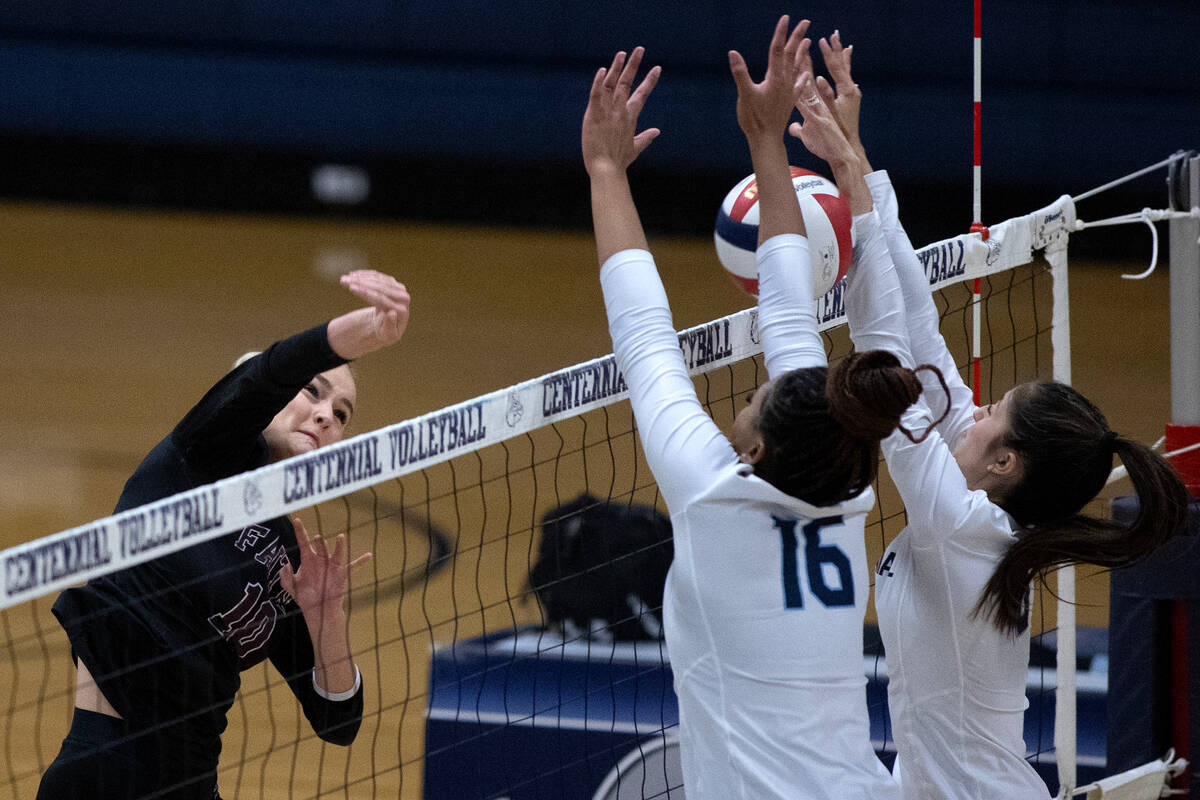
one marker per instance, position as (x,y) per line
(335,721)
(220,435)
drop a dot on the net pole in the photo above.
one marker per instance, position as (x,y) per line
(1065,740)
(1184,427)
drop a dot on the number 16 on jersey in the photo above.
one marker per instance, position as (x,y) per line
(816,557)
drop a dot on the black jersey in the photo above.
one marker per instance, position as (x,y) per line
(166,640)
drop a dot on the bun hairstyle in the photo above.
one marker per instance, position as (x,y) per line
(1066,450)
(821,427)
(868,392)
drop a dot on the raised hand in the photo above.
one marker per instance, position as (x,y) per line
(380,324)
(763,108)
(609,137)
(823,136)
(819,131)
(848,99)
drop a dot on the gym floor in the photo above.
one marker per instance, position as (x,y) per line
(114,322)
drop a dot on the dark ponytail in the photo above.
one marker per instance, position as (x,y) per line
(822,427)
(1066,450)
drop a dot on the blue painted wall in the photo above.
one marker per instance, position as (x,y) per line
(1075,92)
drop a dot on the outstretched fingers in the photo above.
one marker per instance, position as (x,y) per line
(609,136)
(844,97)
(837,60)
(637,100)
(796,44)
(787,57)
(763,108)
(826,92)
(741,73)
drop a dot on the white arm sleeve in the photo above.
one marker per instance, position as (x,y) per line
(936,498)
(937,502)
(684,447)
(787,319)
(924,336)
(874,302)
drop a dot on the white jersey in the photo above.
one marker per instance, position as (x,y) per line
(764,601)
(956,690)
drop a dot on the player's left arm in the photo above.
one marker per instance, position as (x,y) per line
(323,676)
(787,319)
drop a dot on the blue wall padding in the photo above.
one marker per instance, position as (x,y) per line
(1141,649)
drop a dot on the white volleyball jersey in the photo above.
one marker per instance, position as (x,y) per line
(956,690)
(765,598)
(956,684)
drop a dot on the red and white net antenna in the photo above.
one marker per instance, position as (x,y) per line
(977,225)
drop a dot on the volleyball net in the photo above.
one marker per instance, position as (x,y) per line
(506,652)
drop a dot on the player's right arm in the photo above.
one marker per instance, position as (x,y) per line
(921,317)
(874,303)
(924,335)
(220,434)
(683,446)
(885,286)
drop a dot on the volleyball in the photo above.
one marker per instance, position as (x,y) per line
(827,220)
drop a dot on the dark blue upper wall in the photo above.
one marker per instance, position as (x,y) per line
(1075,93)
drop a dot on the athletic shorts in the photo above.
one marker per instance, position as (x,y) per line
(104,758)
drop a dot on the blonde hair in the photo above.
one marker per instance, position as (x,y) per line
(244,357)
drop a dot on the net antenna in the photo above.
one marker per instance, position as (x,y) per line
(977,225)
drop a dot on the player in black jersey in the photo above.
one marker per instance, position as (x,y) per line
(160,646)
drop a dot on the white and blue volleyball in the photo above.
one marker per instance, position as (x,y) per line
(827,220)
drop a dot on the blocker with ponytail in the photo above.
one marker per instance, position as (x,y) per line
(1066,450)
